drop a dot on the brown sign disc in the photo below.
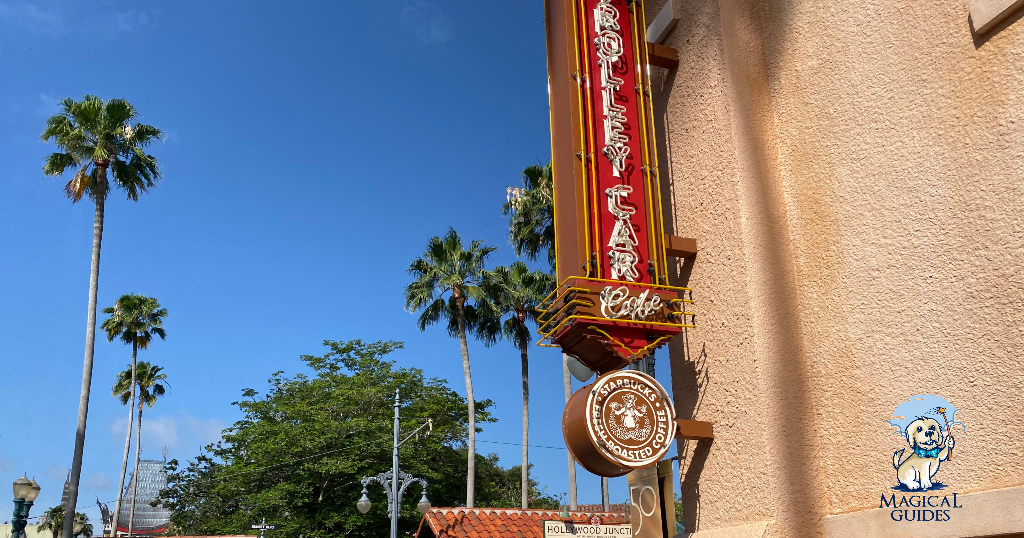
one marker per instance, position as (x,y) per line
(623,421)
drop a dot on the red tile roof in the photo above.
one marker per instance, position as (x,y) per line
(498,522)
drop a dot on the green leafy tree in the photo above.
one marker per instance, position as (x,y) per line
(150,382)
(94,138)
(514,293)
(298,452)
(135,319)
(53,520)
(446,285)
(501,487)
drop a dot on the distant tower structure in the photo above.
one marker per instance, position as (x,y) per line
(149,520)
(67,485)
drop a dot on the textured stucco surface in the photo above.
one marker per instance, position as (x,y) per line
(853,172)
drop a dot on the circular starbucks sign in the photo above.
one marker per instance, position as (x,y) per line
(624,421)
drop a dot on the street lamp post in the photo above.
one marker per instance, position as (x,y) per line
(77,527)
(25,493)
(395,481)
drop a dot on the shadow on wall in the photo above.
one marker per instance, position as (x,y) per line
(981,39)
(690,389)
(752,37)
(690,376)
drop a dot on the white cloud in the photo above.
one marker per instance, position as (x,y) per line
(171,136)
(205,431)
(57,473)
(157,432)
(98,482)
(6,465)
(135,20)
(51,18)
(48,104)
(47,19)
(427,21)
(171,431)
(119,427)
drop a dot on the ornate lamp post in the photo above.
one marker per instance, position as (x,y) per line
(77,526)
(395,481)
(25,493)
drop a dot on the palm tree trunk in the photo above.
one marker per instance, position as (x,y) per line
(523,346)
(471,408)
(566,380)
(90,345)
(127,439)
(135,471)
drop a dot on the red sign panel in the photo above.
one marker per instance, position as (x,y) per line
(616,155)
(613,304)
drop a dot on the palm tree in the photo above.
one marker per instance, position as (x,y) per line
(531,213)
(448,268)
(53,520)
(531,229)
(96,137)
(135,319)
(151,385)
(515,292)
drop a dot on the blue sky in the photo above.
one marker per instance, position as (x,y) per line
(312,148)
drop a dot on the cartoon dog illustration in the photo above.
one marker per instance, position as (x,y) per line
(930,447)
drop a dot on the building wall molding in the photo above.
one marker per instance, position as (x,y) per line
(986,14)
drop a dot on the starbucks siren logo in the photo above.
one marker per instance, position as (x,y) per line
(631,418)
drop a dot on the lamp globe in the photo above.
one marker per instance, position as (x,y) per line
(363,505)
(22,488)
(424,505)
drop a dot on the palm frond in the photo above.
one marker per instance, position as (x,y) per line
(141,135)
(84,181)
(437,309)
(117,113)
(516,291)
(135,319)
(447,266)
(56,163)
(97,134)
(531,214)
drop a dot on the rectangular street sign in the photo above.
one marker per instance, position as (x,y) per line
(263,527)
(563,529)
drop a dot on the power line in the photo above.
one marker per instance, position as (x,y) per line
(520,444)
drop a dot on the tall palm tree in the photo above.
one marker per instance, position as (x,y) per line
(531,230)
(96,137)
(447,268)
(135,319)
(151,384)
(515,291)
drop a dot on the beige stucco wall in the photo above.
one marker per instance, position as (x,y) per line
(853,172)
(31,531)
